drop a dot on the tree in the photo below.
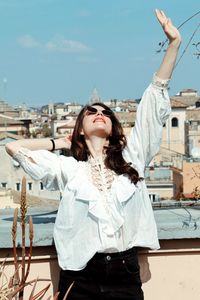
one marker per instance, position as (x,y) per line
(46,131)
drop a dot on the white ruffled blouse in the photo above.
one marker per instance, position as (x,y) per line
(99,210)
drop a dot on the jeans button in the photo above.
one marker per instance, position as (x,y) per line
(108,257)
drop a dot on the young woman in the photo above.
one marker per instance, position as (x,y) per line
(105,213)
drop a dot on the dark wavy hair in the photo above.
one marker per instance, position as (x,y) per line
(117,142)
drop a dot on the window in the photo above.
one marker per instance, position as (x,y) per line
(4,184)
(152,197)
(197,104)
(30,186)
(174,122)
(41,186)
(18,186)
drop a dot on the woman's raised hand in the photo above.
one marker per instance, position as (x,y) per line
(169,29)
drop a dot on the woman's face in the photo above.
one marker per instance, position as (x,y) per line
(96,123)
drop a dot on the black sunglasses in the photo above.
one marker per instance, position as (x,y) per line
(92,111)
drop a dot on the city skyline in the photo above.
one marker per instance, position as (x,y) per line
(59,51)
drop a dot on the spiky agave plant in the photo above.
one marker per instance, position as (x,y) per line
(17,283)
(13,288)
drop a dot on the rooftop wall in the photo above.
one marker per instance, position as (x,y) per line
(169,273)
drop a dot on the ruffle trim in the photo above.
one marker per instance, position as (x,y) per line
(121,192)
(161,83)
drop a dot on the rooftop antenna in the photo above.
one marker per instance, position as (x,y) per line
(4,87)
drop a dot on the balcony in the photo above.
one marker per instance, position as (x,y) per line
(169,273)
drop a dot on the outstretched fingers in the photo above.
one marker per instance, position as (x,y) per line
(170,30)
(162,19)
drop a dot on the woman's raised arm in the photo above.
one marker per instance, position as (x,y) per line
(154,108)
(174,37)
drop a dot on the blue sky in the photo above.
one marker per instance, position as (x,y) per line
(59,50)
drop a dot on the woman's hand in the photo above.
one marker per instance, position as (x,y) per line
(169,29)
(63,143)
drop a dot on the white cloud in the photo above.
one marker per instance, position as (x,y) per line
(84,13)
(27,41)
(60,44)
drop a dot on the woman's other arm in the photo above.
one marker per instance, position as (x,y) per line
(37,144)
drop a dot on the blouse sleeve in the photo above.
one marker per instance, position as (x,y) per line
(54,171)
(146,136)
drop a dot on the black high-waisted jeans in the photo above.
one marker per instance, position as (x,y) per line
(106,276)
